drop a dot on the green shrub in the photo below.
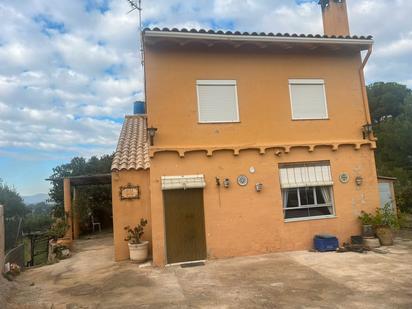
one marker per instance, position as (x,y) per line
(365,218)
(383,217)
(58,229)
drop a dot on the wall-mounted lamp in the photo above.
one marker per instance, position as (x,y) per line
(217,181)
(367,130)
(259,187)
(359,180)
(151,132)
(226,182)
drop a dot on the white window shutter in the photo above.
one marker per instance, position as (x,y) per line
(183,182)
(217,101)
(308,99)
(297,176)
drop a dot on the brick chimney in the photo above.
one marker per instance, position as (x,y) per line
(335,17)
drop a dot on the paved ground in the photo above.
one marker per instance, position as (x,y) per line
(90,279)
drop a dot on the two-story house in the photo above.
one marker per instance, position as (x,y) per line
(251,142)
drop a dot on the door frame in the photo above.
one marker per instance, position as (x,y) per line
(164,230)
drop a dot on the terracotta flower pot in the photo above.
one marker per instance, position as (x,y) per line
(385,235)
(139,252)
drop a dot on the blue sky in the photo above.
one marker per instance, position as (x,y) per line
(70,70)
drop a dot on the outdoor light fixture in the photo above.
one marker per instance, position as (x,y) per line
(359,180)
(259,187)
(151,132)
(367,130)
(226,182)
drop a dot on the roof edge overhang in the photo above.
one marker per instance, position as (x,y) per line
(86,180)
(364,43)
(117,170)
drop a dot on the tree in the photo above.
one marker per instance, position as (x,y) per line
(391,109)
(39,218)
(386,100)
(91,199)
(14,212)
(12,202)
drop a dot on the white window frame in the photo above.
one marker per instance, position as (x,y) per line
(209,82)
(315,205)
(308,82)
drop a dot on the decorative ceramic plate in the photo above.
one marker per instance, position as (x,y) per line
(242,180)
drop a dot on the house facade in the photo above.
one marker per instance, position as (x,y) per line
(251,142)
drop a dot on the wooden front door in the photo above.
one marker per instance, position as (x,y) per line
(185,225)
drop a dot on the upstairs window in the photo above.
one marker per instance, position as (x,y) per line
(308,99)
(306,191)
(217,101)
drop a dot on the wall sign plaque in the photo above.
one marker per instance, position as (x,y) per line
(129,192)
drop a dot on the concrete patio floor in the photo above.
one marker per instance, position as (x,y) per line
(90,279)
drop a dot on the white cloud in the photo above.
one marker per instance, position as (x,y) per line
(65,70)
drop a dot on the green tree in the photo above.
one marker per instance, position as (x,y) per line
(14,212)
(391,109)
(39,218)
(90,199)
(387,100)
(12,202)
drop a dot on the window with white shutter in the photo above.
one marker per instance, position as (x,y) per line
(306,191)
(308,99)
(217,101)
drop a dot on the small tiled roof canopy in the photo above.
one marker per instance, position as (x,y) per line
(132,152)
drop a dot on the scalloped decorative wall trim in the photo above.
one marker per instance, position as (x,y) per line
(262,148)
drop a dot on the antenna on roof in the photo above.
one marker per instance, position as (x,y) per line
(137,5)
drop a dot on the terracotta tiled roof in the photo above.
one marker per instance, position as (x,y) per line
(132,151)
(269,34)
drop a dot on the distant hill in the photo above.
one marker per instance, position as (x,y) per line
(35,198)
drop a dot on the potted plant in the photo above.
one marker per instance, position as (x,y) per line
(138,248)
(367,224)
(384,221)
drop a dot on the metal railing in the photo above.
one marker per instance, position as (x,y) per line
(16,256)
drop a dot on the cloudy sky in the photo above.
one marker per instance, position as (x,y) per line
(70,69)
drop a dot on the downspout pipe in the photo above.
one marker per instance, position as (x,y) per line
(371,137)
(363,86)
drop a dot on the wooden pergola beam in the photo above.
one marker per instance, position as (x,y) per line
(68,207)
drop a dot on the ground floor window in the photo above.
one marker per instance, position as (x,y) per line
(307,202)
(306,190)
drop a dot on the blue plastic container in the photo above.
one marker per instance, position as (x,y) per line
(139,108)
(325,243)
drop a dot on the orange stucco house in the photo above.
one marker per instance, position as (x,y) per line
(250,142)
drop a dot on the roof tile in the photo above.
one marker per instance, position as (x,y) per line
(132,151)
(369,37)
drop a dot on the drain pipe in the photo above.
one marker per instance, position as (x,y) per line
(363,86)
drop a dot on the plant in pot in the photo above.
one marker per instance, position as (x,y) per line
(384,221)
(138,248)
(367,224)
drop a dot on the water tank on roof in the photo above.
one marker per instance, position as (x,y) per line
(139,108)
